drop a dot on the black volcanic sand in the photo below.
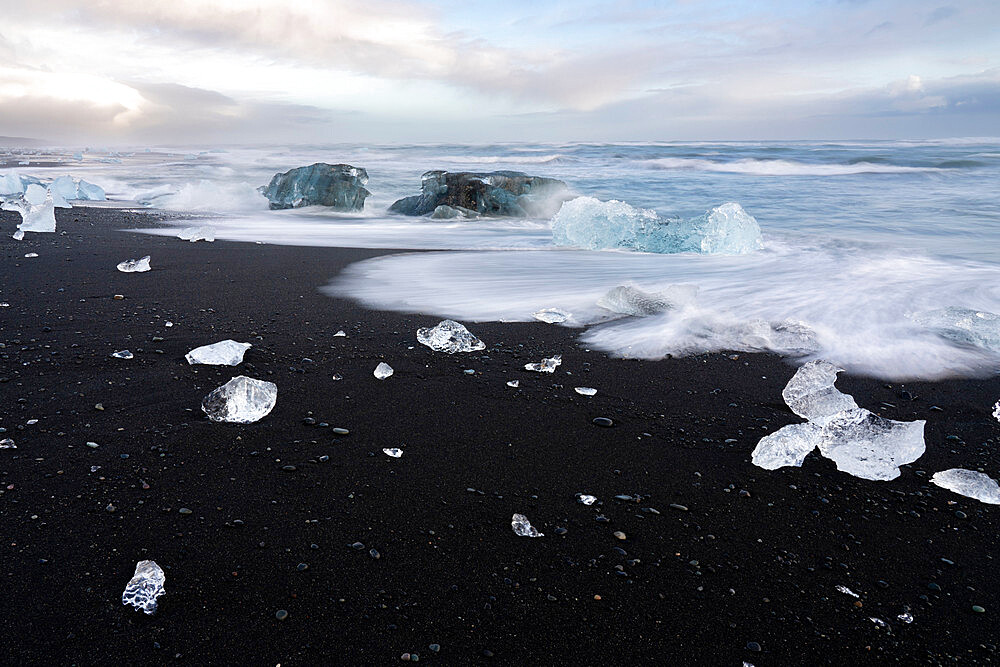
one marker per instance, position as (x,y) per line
(722,562)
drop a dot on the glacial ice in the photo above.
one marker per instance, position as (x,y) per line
(192,234)
(122,354)
(630,300)
(69,188)
(145,586)
(444,212)
(383,370)
(339,186)
(551,315)
(587,222)
(394,452)
(135,265)
(7,443)
(811,393)
(514,383)
(40,218)
(242,400)
(846,591)
(523,528)
(963,325)
(788,446)
(224,353)
(449,336)
(586,499)
(996,411)
(585,391)
(970,484)
(35,194)
(547,365)
(497,193)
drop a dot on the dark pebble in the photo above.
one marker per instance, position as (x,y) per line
(281,614)
(603,421)
(753,646)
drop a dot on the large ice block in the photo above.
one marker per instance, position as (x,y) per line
(869,446)
(811,393)
(339,186)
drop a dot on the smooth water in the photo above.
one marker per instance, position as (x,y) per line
(860,240)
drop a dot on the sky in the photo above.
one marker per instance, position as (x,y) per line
(125,72)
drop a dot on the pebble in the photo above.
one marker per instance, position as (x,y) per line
(341,431)
(619,534)
(93,445)
(682,508)
(185,510)
(281,614)
(288,468)
(434,648)
(603,421)
(979,610)
(753,646)
(301,567)
(375,554)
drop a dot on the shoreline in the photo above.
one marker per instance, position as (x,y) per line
(700,585)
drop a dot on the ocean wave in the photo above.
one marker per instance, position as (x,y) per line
(204,195)
(506,159)
(782,167)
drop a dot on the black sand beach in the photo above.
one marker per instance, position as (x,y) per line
(722,562)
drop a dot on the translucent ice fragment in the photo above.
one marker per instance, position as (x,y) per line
(242,400)
(788,446)
(811,392)
(871,447)
(726,230)
(847,591)
(585,391)
(145,586)
(522,527)
(906,616)
(546,365)
(630,300)
(34,218)
(964,325)
(383,370)
(64,186)
(585,499)
(192,234)
(551,315)
(89,191)
(970,484)
(7,443)
(224,353)
(394,452)
(135,265)
(449,336)
(514,383)
(340,334)
(996,411)
(122,354)
(879,622)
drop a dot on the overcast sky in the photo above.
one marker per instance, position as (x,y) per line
(196,71)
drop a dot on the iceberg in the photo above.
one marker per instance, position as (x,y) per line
(587,222)
(449,336)
(339,186)
(970,484)
(963,325)
(140,265)
(493,194)
(192,234)
(383,370)
(145,586)
(548,365)
(551,315)
(224,353)
(630,300)
(523,528)
(40,218)
(242,400)
(811,393)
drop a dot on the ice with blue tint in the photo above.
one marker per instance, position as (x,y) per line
(586,222)
(964,325)
(630,300)
(71,188)
(339,186)
(970,484)
(40,218)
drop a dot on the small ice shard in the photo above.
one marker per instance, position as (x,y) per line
(811,392)
(630,300)
(996,411)
(122,354)
(879,622)
(970,484)
(546,365)
(906,616)
(135,265)
(788,446)
(522,527)
(34,218)
(29,255)
(585,391)
(192,234)
(383,370)
(449,336)
(585,499)
(340,334)
(847,591)
(551,315)
(7,443)
(513,383)
(145,586)
(869,446)
(224,353)
(394,452)
(242,400)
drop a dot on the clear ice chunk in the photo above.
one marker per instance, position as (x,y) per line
(145,586)
(242,400)
(340,334)
(970,484)
(587,222)
(847,591)
(630,300)
(585,499)
(7,443)
(964,325)
(522,527)
(89,191)
(996,411)
(224,353)
(869,446)
(135,265)
(122,354)
(192,234)
(551,315)
(585,391)
(383,370)
(394,452)
(788,446)
(449,336)
(811,393)
(514,383)
(34,218)
(546,365)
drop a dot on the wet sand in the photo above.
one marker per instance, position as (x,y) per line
(722,562)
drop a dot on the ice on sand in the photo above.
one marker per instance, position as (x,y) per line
(383,370)
(7,443)
(551,315)
(145,586)
(970,484)
(242,400)
(996,411)
(394,452)
(35,194)
(135,265)
(585,499)
(514,383)
(70,188)
(546,365)
(192,234)
(522,527)
(122,354)
(40,218)
(224,353)
(630,300)
(787,446)
(585,391)
(449,336)
(811,393)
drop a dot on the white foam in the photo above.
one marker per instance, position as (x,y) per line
(205,195)
(781,167)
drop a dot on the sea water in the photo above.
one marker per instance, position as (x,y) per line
(860,241)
